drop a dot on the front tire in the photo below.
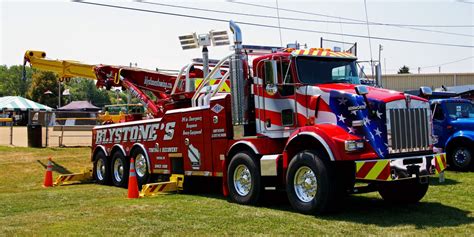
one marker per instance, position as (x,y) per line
(310,183)
(403,191)
(120,169)
(243,179)
(461,158)
(101,171)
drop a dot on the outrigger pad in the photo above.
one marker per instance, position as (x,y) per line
(174,185)
(83,177)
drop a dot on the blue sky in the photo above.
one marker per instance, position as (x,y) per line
(92,34)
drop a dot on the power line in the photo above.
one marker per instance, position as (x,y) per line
(358,21)
(249,14)
(351,19)
(271,26)
(443,64)
(292,18)
(465,1)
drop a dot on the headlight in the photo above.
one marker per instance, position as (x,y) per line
(354,145)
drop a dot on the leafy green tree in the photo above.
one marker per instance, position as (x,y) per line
(11,81)
(38,82)
(404,70)
(44,89)
(85,89)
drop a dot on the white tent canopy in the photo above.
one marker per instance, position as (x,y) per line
(15,103)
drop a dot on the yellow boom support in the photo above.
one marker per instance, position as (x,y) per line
(64,68)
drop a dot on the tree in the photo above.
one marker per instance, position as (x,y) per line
(41,83)
(85,89)
(404,70)
(11,81)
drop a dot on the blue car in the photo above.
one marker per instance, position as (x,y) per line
(453,124)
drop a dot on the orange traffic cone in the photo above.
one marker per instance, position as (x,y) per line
(48,177)
(132,181)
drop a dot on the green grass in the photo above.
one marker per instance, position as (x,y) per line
(88,209)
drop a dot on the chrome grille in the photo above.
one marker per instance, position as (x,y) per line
(408,130)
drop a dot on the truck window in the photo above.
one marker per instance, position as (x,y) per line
(313,70)
(438,112)
(284,74)
(460,110)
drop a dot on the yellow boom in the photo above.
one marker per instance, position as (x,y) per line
(64,68)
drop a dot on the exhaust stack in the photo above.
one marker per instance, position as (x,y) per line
(239,98)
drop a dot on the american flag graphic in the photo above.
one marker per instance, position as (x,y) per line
(372,128)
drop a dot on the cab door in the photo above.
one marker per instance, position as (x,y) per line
(439,123)
(279,104)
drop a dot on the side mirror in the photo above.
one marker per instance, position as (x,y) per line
(271,76)
(425,91)
(361,90)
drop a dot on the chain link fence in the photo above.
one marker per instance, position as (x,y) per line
(47,128)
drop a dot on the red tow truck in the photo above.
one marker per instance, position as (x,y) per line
(295,120)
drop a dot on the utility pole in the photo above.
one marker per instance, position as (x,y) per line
(279,26)
(379,67)
(59,94)
(368,34)
(380,51)
(419,70)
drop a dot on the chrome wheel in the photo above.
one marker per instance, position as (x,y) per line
(305,184)
(462,156)
(100,169)
(118,170)
(140,165)
(242,180)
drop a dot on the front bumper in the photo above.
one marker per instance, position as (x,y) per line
(400,168)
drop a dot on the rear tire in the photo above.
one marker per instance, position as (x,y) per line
(461,158)
(243,179)
(310,183)
(101,170)
(119,169)
(403,191)
(141,167)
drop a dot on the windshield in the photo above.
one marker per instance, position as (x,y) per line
(460,110)
(312,70)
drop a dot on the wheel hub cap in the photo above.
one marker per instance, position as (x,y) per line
(242,180)
(100,169)
(461,156)
(140,165)
(305,184)
(118,170)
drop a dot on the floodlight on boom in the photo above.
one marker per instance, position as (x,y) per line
(215,38)
(189,41)
(219,38)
